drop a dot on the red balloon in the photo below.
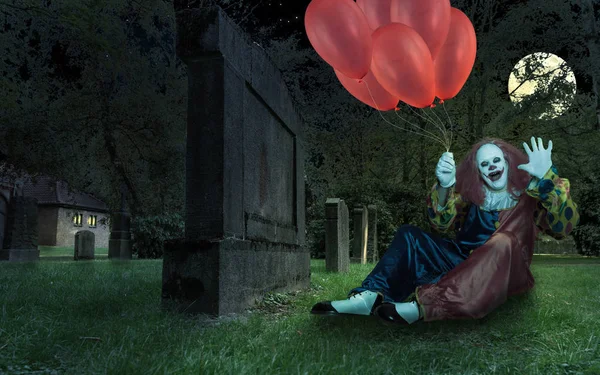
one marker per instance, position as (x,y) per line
(369,91)
(376,11)
(456,58)
(430,18)
(402,64)
(339,32)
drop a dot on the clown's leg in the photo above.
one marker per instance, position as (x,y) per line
(413,258)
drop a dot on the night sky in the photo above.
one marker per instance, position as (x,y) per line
(288,15)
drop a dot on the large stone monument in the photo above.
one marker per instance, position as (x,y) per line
(21,236)
(244,218)
(119,242)
(360,219)
(337,241)
(85,242)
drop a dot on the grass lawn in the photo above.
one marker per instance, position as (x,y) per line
(99,317)
(57,251)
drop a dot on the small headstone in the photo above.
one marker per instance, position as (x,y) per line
(361,229)
(372,246)
(85,242)
(337,257)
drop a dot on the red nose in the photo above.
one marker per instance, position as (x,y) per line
(492,167)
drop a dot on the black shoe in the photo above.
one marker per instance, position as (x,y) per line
(389,312)
(323,308)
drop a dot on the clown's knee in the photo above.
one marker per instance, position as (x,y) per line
(506,241)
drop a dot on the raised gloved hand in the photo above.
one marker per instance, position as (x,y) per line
(540,159)
(445,170)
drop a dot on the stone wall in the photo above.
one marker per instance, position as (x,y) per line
(550,245)
(47,221)
(65,230)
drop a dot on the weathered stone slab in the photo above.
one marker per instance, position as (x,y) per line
(213,277)
(119,242)
(21,237)
(337,241)
(360,219)
(85,243)
(244,173)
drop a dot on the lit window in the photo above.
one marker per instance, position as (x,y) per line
(77,219)
(92,221)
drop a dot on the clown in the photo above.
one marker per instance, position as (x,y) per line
(496,201)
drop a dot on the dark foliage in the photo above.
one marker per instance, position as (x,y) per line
(150,232)
(587,233)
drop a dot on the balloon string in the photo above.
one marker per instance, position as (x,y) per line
(432,136)
(443,125)
(449,120)
(424,132)
(429,119)
(435,138)
(440,127)
(432,120)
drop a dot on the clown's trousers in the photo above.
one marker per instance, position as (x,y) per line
(450,283)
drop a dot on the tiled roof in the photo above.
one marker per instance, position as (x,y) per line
(48,191)
(51,192)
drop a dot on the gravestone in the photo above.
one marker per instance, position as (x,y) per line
(85,242)
(372,243)
(244,213)
(337,256)
(119,242)
(361,229)
(21,236)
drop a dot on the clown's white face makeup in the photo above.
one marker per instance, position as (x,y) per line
(492,166)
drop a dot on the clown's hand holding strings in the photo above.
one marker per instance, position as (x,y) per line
(496,201)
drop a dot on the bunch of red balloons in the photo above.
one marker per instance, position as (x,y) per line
(403,50)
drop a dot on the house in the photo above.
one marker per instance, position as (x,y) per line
(61,212)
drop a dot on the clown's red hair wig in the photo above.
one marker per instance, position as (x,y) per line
(469,182)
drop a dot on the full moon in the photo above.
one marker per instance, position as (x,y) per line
(545,74)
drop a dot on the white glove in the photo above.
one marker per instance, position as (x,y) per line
(445,170)
(540,159)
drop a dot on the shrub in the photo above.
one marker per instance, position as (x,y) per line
(150,232)
(587,239)
(587,233)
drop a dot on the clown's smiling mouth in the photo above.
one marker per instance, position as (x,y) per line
(495,175)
